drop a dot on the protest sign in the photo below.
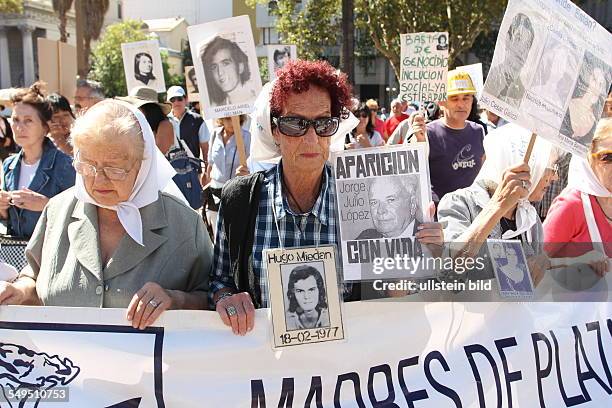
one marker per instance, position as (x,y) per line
(226,67)
(551,71)
(382,195)
(142,65)
(191,84)
(475,71)
(423,67)
(427,355)
(57,67)
(304,296)
(511,268)
(278,55)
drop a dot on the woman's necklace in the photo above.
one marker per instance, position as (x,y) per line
(293,198)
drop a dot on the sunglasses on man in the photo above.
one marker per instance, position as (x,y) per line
(295,126)
(176,98)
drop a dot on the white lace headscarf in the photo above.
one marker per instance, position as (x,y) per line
(155,175)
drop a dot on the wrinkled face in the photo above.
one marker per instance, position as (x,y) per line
(458,107)
(307,293)
(226,72)
(306,153)
(392,211)
(28,129)
(145,65)
(60,123)
(118,155)
(601,168)
(549,176)
(83,100)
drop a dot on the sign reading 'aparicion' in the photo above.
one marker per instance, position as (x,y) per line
(377,164)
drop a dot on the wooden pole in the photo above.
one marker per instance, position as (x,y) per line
(239,140)
(530,148)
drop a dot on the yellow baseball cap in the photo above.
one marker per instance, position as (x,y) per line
(459,83)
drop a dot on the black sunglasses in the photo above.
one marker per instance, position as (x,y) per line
(176,98)
(296,126)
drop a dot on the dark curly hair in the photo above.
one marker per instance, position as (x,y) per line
(139,75)
(298,75)
(300,273)
(34,97)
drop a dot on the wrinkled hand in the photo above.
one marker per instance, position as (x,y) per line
(5,200)
(242,171)
(431,233)
(363,140)
(10,294)
(243,320)
(537,267)
(597,261)
(147,304)
(29,200)
(419,128)
(513,187)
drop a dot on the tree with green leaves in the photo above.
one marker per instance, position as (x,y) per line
(107,60)
(11,6)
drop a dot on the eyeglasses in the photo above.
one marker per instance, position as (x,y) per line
(296,126)
(176,98)
(603,156)
(361,114)
(89,170)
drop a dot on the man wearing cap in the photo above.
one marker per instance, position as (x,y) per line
(193,129)
(456,150)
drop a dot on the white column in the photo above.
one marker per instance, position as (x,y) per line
(28,54)
(5,64)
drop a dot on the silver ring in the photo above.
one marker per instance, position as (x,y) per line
(153,303)
(231,311)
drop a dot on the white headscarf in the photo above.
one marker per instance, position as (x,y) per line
(154,176)
(505,147)
(582,178)
(263,147)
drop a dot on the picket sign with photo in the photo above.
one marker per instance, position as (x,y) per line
(278,55)
(191,84)
(424,66)
(551,72)
(305,302)
(383,195)
(142,65)
(227,71)
(511,268)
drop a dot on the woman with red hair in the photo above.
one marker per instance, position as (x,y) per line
(293,204)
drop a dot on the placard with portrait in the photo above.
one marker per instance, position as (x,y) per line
(142,65)
(278,56)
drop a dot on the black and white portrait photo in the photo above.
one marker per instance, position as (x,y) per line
(143,65)
(226,66)
(394,207)
(504,80)
(511,269)
(278,56)
(306,297)
(191,83)
(587,101)
(555,74)
(442,42)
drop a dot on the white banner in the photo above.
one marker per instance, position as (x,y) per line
(396,355)
(551,71)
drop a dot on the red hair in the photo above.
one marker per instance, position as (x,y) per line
(298,75)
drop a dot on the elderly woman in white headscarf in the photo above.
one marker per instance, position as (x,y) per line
(579,221)
(116,240)
(498,204)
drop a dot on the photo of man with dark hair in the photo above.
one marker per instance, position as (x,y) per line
(307,298)
(226,71)
(192,84)
(504,80)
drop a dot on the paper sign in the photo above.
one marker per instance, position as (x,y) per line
(143,65)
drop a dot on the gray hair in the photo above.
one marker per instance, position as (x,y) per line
(95,88)
(106,123)
(395,102)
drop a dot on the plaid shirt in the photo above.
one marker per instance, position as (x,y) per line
(317,227)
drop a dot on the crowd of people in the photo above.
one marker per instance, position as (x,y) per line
(94,189)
